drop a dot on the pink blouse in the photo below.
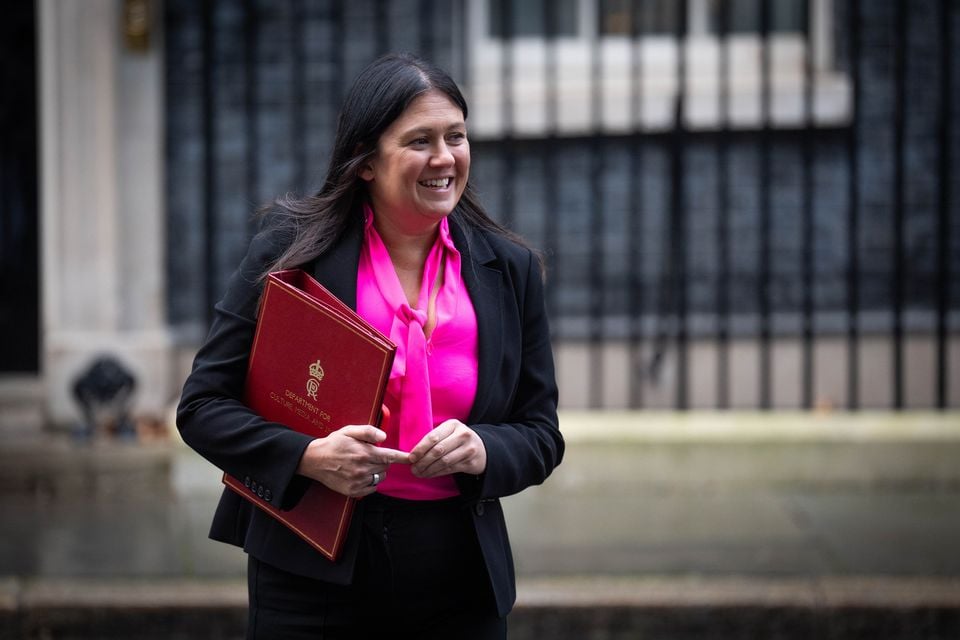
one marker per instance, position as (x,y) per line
(434,377)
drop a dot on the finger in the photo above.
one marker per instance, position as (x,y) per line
(456,460)
(465,454)
(434,463)
(364,491)
(377,477)
(433,468)
(362,484)
(364,433)
(388,456)
(441,460)
(432,443)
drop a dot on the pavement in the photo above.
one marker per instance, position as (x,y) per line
(692,525)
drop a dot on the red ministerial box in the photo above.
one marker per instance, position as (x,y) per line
(315,366)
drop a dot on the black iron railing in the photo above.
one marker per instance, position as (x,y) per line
(660,240)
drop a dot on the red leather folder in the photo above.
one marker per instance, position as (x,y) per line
(315,366)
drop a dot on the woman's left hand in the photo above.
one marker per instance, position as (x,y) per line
(451,447)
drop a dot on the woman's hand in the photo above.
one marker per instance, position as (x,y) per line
(346,460)
(452,447)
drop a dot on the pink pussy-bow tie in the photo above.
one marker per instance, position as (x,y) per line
(416,410)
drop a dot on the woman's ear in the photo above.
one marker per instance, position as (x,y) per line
(366,171)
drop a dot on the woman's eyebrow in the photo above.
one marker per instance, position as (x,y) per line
(458,124)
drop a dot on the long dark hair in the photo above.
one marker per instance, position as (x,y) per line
(382,91)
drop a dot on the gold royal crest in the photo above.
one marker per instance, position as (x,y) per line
(313,382)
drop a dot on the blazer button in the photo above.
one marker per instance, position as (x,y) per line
(260,491)
(246,482)
(253,486)
(478,509)
(268,495)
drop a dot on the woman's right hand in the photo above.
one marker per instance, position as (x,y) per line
(346,460)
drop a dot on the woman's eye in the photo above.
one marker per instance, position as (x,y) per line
(457,136)
(419,141)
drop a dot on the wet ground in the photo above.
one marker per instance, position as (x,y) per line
(666,527)
(671,504)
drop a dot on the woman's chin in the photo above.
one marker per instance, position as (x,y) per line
(437,211)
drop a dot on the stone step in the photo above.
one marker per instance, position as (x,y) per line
(851,608)
(653,451)
(21,406)
(58,466)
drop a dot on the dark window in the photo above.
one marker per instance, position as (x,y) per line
(528,18)
(743,16)
(655,17)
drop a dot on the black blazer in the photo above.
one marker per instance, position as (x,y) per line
(515,410)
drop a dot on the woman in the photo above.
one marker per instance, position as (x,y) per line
(396,233)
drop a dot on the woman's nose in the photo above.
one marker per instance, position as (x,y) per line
(442,156)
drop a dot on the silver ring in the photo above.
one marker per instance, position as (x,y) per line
(376,480)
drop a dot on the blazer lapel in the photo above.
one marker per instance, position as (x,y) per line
(337,268)
(484,283)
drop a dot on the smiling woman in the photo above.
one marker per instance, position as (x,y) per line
(421,166)
(415,180)
(397,234)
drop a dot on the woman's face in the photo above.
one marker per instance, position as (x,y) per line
(421,165)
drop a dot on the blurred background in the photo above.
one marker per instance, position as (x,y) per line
(750,216)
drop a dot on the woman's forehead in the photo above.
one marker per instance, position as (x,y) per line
(432,109)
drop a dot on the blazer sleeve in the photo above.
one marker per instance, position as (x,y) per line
(524,449)
(212,417)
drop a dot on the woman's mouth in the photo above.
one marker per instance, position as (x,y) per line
(436,183)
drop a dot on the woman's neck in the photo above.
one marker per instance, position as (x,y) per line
(408,252)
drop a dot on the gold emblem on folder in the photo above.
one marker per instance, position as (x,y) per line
(313,382)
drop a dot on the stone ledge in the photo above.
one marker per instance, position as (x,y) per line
(759,427)
(665,608)
(680,592)
(21,406)
(58,466)
(653,451)
(867,592)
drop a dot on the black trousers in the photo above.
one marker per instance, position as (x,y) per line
(419,575)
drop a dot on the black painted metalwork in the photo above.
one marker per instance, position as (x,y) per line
(807,363)
(764,177)
(210,245)
(853,212)
(722,278)
(507,157)
(338,79)
(945,196)
(898,197)
(669,305)
(597,227)
(298,106)
(678,216)
(251,103)
(551,231)
(635,227)
(104,393)
(427,11)
(381,27)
